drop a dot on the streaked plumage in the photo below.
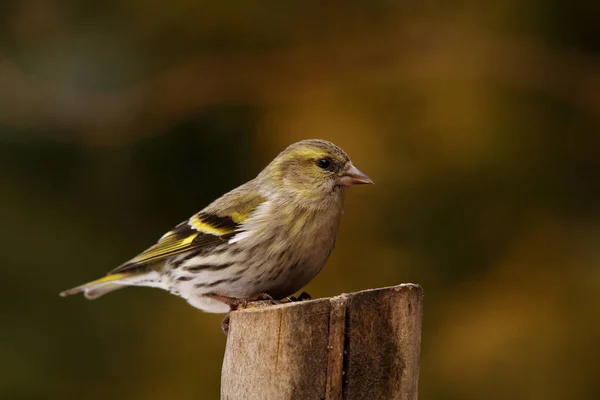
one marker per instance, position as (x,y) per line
(271,235)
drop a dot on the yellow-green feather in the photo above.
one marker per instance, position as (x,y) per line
(165,247)
(201,225)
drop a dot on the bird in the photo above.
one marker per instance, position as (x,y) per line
(264,240)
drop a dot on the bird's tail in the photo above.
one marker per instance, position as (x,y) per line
(99,287)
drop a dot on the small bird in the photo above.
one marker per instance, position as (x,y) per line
(265,239)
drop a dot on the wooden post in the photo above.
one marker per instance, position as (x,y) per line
(362,345)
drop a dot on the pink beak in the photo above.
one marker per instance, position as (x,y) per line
(353,176)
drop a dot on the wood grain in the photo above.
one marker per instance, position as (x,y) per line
(354,346)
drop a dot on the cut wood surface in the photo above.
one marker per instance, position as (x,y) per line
(362,345)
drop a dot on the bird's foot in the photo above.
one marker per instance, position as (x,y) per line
(225,324)
(301,297)
(234,303)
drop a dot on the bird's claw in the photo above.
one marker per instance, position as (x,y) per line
(225,324)
(235,303)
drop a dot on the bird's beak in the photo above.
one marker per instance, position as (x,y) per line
(353,176)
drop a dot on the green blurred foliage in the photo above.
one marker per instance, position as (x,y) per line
(479,123)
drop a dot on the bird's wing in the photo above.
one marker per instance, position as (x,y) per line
(203,231)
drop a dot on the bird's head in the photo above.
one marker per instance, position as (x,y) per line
(313,169)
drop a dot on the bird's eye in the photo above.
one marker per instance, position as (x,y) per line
(324,163)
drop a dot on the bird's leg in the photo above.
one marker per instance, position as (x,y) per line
(234,303)
(262,297)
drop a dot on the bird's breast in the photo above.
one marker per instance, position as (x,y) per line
(302,246)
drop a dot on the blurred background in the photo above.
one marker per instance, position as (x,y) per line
(478,121)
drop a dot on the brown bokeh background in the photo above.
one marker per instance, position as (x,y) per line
(478,121)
